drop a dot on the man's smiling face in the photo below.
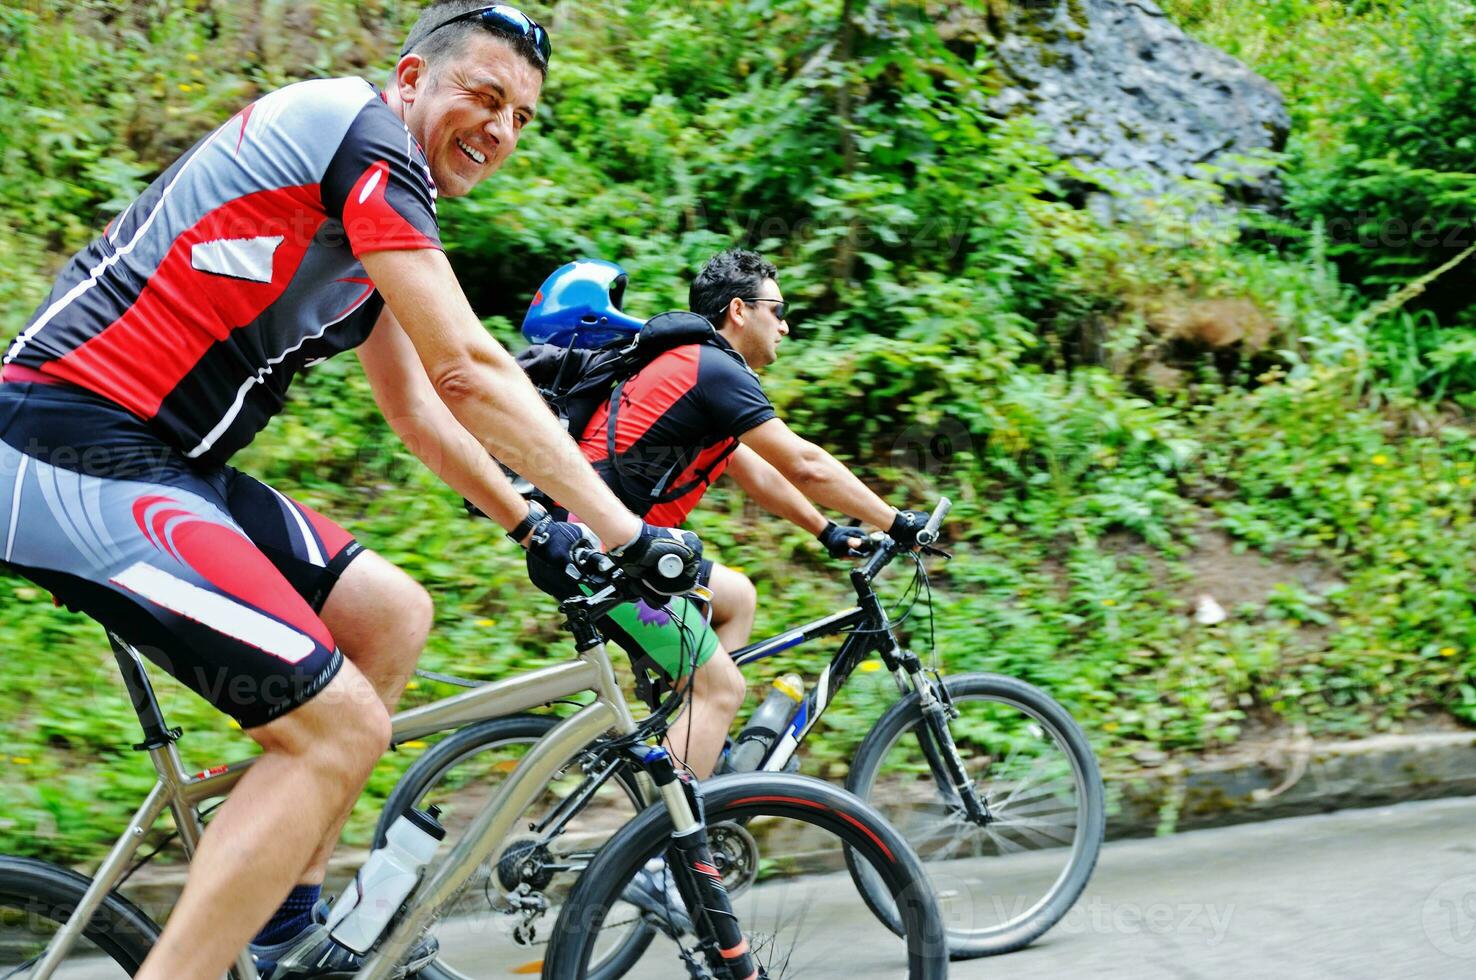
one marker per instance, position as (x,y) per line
(468,111)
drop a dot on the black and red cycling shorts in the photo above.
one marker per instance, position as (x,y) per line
(214,576)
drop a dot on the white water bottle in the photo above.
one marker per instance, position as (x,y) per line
(360,914)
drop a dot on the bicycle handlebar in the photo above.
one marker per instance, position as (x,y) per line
(929,533)
(611,584)
(887,549)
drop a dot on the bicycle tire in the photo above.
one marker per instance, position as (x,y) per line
(47,893)
(419,782)
(743,799)
(1067,886)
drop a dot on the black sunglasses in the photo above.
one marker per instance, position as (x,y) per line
(779,305)
(510,21)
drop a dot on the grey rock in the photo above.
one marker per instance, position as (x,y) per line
(1115,84)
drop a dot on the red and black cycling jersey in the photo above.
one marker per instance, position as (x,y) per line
(676,424)
(238,267)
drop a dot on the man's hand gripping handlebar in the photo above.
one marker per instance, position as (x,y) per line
(662,561)
(611,583)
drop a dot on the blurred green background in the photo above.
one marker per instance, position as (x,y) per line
(965,325)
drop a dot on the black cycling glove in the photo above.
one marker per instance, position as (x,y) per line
(664,561)
(552,541)
(906,525)
(837,540)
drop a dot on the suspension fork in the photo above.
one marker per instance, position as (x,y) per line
(936,741)
(697,876)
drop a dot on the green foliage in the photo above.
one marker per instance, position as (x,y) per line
(1397,194)
(1380,154)
(962,328)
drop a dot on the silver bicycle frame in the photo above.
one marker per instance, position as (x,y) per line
(182,794)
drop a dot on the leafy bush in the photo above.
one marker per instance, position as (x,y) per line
(1397,193)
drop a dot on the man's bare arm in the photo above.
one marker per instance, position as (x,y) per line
(426,426)
(483,388)
(771,491)
(818,475)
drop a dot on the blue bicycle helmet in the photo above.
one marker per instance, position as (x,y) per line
(579,306)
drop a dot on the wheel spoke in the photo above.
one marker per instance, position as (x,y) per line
(1042,807)
(1031,769)
(1040,830)
(1002,843)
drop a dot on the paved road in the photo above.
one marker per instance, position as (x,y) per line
(1380,894)
(1377,895)
(1386,894)
(1383,895)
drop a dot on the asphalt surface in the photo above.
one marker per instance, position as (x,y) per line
(1378,894)
(1385,893)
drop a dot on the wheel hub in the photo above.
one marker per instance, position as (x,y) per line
(525,862)
(736,855)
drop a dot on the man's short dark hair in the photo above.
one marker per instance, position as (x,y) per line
(439,45)
(734,272)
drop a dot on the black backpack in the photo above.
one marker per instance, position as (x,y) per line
(576,382)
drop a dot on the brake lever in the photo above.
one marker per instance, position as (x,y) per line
(935,551)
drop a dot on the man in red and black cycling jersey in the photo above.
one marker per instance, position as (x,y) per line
(694,413)
(302,227)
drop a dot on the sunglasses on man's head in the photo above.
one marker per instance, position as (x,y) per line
(508,21)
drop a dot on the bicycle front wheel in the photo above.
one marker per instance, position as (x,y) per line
(36,900)
(1004,880)
(777,840)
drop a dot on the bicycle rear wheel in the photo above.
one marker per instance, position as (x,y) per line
(505,914)
(37,898)
(777,841)
(1003,883)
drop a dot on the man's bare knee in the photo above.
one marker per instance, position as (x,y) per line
(745,597)
(381,618)
(420,609)
(734,596)
(343,730)
(721,684)
(408,605)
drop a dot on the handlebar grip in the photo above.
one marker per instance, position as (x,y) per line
(929,533)
(591,560)
(671,567)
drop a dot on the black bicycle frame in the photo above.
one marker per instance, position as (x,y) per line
(869,630)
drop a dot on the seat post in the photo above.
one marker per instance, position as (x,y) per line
(157,733)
